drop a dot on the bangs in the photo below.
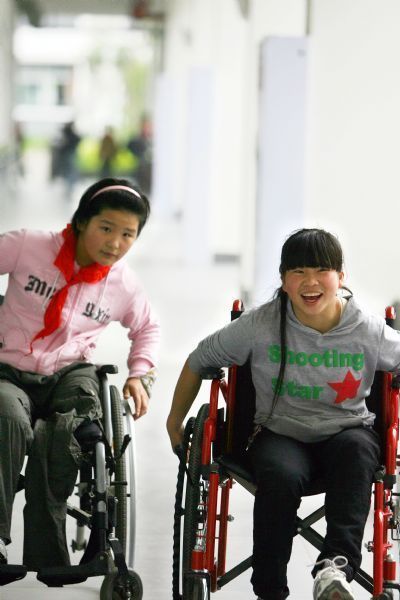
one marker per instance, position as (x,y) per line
(314,248)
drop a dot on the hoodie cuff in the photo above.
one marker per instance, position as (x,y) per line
(148,380)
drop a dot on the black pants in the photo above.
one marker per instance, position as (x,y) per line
(284,468)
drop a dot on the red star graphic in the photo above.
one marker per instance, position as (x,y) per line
(346,389)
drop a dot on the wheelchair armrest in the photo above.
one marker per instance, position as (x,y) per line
(104,369)
(212,373)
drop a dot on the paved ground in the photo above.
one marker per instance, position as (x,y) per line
(191,301)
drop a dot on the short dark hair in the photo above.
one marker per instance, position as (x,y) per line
(311,248)
(115,199)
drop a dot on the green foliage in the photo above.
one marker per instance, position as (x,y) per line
(35,143)
(89,163)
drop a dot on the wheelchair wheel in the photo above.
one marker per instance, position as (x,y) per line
(115,587)
(192,496)
(120,466)
(195,509)
(176,574)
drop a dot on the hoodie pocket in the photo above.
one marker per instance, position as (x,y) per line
(71,352)
(13,339)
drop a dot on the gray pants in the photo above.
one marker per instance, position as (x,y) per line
(38,417)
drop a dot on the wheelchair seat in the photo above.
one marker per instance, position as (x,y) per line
(240,470)
(236,463)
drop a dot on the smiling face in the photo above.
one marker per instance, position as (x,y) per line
(106,237)
(313,294)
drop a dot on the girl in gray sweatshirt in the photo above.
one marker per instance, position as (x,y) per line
(313,354)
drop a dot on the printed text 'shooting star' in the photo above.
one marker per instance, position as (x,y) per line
(346,389)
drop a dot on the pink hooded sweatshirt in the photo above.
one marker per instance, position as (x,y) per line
(28,256)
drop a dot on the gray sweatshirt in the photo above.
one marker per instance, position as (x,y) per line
(327,376)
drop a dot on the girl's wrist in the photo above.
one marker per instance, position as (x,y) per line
(174,422)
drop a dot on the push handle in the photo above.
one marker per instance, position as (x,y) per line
(390,315)
(237,309)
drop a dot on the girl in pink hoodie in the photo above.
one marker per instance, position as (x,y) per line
(63,290)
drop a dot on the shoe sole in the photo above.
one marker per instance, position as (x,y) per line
(334,592)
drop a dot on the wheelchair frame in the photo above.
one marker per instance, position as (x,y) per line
(211,459)
(103,485)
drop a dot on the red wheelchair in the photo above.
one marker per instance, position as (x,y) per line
(213,457)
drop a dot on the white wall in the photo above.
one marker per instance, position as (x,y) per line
(354,183)
(217,36)
(267,18)
(209,36)
(353,127)
(280,192)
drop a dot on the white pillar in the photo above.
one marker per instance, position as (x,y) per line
(197,175)
(281,155)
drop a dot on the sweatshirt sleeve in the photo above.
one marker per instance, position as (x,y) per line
(11,244)
(144,334)
(389,351)
(228,346)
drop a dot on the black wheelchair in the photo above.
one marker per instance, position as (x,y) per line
(213,457)
(104,506)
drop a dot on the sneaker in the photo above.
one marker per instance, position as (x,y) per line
(3,552)
(330,582)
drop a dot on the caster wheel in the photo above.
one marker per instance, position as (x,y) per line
(115,587)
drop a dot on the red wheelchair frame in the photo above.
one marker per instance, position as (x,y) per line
(212,458)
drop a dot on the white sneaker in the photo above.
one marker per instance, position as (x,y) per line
(3,552)
(330,582)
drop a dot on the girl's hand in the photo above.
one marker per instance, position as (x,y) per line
(134,389)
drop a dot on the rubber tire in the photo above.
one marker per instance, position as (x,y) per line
(117,419)
(192,494)
(178,513)
(109,587)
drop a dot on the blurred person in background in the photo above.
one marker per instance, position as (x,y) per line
(141,147)
(64,157)
(108,150)
(19,147)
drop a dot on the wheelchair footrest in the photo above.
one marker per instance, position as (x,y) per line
(58,576)
(10,573)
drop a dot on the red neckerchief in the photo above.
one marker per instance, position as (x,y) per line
(64,261)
